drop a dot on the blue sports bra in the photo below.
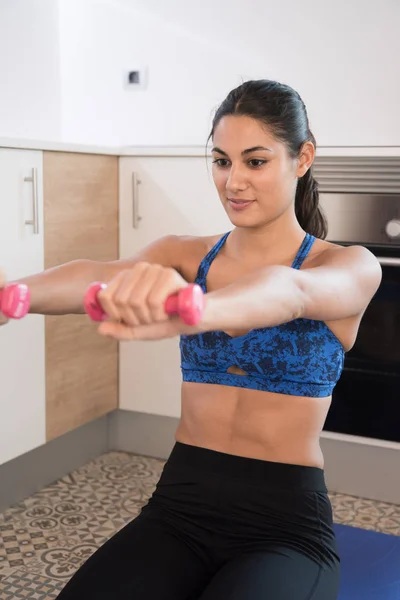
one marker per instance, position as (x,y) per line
(299,358)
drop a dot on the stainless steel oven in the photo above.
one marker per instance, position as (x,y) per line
(363,207)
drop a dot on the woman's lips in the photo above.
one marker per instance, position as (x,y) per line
(237,204)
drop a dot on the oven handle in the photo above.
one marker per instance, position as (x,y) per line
(387,261)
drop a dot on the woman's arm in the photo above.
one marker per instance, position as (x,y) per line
(60,290)
(341,286)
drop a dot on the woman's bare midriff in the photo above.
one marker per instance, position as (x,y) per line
(252,423)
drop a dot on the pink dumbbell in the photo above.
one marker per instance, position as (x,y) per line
(15,300)
(188,303)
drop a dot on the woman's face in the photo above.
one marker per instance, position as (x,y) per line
(255,176)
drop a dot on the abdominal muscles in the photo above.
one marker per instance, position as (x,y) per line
(253,423)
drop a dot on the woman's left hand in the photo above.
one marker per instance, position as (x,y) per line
(134,301)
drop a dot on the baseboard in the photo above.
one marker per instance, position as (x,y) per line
(27,474)
(141,433)
(362,467)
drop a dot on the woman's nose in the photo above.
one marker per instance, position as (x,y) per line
(236,181)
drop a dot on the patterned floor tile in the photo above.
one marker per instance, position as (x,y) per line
(45,538)
(366,514)
(49,535)
(23,586)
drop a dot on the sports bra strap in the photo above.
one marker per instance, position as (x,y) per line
(207,260)
(303,251)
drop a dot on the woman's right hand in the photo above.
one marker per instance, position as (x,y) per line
(3,319)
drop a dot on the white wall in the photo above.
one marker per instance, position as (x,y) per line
(101,42)
(342,56)
(29,69)
(62,66)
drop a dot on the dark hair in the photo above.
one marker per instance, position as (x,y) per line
(280,108)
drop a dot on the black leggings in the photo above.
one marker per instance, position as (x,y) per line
(220,527)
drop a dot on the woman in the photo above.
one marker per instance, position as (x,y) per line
(241,510)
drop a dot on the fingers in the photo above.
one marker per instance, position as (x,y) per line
(168,282)
(137,296)
(118,298)
(153,331)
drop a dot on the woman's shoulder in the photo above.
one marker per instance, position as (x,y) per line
(319,250)
(328,253)
(189,251)
(174,251)
(200,243)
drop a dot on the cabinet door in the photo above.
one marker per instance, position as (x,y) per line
(81,221)
(22,358)
(164,195)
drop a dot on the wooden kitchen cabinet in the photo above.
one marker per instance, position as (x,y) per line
(171,195)
(80,221)
(22,343)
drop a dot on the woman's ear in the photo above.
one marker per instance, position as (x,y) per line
(306,158)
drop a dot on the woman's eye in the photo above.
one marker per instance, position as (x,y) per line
(253,162)
(257,162)
(221,162)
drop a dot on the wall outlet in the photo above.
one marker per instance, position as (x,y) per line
(136,78)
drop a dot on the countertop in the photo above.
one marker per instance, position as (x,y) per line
(177,150)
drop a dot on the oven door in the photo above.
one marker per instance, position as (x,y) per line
(366,399)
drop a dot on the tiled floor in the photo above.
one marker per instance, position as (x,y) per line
(45,538)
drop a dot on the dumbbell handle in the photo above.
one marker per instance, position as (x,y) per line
(188,304)
(15,300)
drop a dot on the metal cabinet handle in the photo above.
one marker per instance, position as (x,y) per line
(387,261)
(135,200)
(35,201)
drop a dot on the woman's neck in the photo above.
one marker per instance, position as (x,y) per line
(277,240)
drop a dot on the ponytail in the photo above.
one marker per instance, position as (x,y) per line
(308,212)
